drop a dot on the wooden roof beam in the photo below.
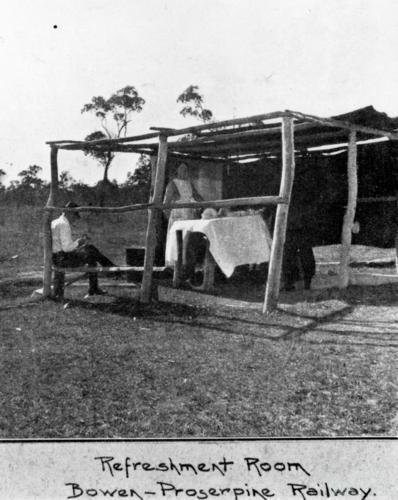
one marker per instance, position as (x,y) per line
(331,122)
(240,128)
(259,146)
(109,147)
(212,131)
(224,123)
(228,149)
(133,138)
(185,156)
(223,138)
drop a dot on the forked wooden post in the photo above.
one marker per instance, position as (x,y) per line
(349,216)
(47,239)
(153,219)
(278,241)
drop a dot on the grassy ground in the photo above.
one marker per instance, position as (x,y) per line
(324,364)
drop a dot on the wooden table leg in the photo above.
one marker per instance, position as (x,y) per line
(178,264)
(208,270)
(396,254)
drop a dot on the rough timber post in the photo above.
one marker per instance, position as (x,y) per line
(152,228)
(349,216)
(47,243)
(278,241)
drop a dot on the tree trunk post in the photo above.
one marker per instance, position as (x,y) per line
(278,241)
(47,242)
(349,216)
(153,221)
(153,161)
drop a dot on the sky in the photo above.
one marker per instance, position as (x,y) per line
(246,56)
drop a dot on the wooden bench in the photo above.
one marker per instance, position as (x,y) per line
(59,273)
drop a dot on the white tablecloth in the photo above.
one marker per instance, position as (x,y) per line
(234,241)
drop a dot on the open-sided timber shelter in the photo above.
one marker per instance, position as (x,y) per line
(280,138)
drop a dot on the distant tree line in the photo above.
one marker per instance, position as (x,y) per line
(114,115)
(30,189)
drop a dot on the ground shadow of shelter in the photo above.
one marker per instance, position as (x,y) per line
(317,316)
(288,323)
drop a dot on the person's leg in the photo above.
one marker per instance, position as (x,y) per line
(93,288)
(59,277)
(290,264)
(84,256)
(308,263)
(195,250)
(59,283)
(73,259)
(93,256)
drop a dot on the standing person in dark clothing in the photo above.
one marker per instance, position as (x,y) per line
(298,257)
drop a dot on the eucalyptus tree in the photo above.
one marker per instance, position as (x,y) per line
(115,115)
(193,104)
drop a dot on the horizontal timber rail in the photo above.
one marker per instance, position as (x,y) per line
(225,123)
(224,136)
(193,156)
(253,201)
(150,135)
(233,134)
(244,147)
(377,199)
(114,269)
(116,147)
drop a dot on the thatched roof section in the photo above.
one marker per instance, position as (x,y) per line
(369,117)
(253,137)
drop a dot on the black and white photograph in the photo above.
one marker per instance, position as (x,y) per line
(198,219)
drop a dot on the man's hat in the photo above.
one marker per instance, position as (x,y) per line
(72,204)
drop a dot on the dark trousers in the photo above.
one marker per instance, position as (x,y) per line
(298,256)
(84,255)
(195,251)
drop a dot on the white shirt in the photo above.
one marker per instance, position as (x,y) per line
(62,235)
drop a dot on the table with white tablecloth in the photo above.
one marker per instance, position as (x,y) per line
(233,241)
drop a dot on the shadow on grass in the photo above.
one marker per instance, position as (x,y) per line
(323,313)
(280,326)
(295,332)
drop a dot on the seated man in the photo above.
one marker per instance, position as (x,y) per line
(70,253)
